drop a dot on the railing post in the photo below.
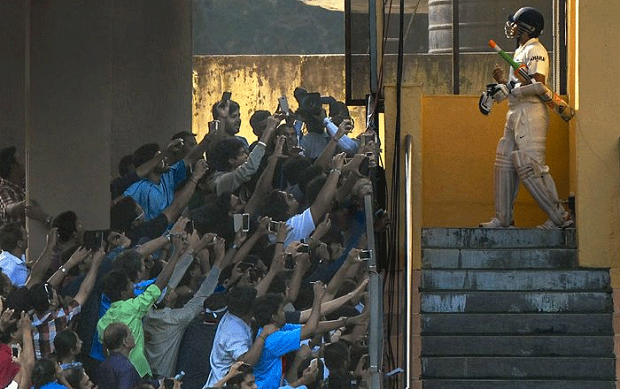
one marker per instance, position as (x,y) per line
(408,262)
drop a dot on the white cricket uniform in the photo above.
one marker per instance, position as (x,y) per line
(527,119)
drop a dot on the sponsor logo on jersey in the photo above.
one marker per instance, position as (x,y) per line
(537,58)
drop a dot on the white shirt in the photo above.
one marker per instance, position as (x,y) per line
(302,226)
(534,55)
(15,268)
(233,338)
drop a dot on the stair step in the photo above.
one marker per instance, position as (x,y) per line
(552,258)
(519,346)
(513,302)
(519,367)
(517,384)
(532,280)
(517,324)
(497,238)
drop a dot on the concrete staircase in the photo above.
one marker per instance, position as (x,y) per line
(510,309)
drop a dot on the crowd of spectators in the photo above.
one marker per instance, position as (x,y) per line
(227,264)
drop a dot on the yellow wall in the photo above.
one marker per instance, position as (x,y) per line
(596,45)
(459,152)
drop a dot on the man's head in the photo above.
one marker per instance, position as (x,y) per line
(526,23)
(147,152)
(131,263)
(240,300)
(268,309)
(10,168)
(280,205)
(67,343)
(258,122)
(232,122)
(244,379)
(117,336)
(336,356)
(125,165)
(290,133)
(228,154)
(43,297)
(68,226)
(189,141)
(117,286)
(13,237)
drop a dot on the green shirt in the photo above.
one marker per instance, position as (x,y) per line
(131,313)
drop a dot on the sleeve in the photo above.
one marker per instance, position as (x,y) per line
(302,226)
(143,302)
(119,184)
(237,346)
(537,60)
(194,306)
(5,201)
(177,173)
(347,144)
(229,182)
(286,340)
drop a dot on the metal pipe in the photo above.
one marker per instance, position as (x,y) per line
(375,332)
(408,261)
(456,79)
(372,27)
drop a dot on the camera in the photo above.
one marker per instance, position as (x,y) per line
(214,125)
(273,226)
(241,222)
(226,96)
(365,255)
(283,103)
(310,102)
(289,262)
(303,248)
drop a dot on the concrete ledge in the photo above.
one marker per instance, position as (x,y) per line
(550,258)
(497,238)
(517,384)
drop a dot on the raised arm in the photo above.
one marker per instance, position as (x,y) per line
(302,264)
(311,326)
(263,186)
(42,263)
(323,201)
(184,195)
(277,266)
(328,152)
(177,232)
(244,250)
(76,258)
(336,281)
(89,281)
(332,305)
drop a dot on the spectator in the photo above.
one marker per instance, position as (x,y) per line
(227,112)
(49,317)
(130,310)
(13,206)
(233,339)
(117,372)
(14,242)
(167,325)
(77,378)
(45,375)
(67,345)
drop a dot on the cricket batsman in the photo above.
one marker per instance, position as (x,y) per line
(520,152)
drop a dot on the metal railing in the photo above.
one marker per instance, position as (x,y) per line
(408,261)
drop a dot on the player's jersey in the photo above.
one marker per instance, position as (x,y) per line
(535,56)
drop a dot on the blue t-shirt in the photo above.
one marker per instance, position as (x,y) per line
(268,370)
(154,198)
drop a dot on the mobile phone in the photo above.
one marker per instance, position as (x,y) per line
(95,239)
(369,154)
(15,350)
(366,138)
(398,370)
(303,248)
(241,222)
(285,150)
(274,226)
(283,102)
(365,254)
(179,377)
(214,125)
(289,262)
(226,96)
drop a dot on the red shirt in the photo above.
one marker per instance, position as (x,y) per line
(8,368)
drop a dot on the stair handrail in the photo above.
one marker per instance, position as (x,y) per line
(408,249)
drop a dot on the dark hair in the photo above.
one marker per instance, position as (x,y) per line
(240,300)
(10,234)
(64,343)
(224,150)
(265,307)
(307,175)
(276,207)
(74,376)
(293,166)
(114,284)
(144,153)
(257,121)
(125,165)
(114,334)
(43,372)
(232,108)
(183,135)
(314,188)
(7,160)
(66,223)
(122,214)
(243,371)
(130,263)
(39,296)
(336,356)
(339,379)
(338,111)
